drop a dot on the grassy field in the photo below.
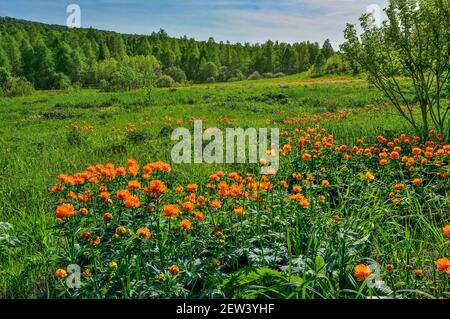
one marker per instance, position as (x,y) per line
(52,132)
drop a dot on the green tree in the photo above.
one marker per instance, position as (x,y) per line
(319,63)
(12,51)
(104,53)
(327,49)
(43,66)
(413,43)
(208,72)
(176,73)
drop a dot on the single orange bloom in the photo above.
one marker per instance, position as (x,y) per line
(174,269)
(134,185)
(216,204)
(399,186)
(156,187)
(306,157)
(179,189)
(418,272)
(144,233)
(171,211)
(121,230)
(121,171)
(304,203)
(361,272)
(446,231)
(107,216)
(443,264)
(188,206)
(132,202)
(60,273)
(186,224)
(383,162)
(325,183)
(65,210)
(417,181)
(369,176)
(192,188)
(122,194)
(239,211)
(104,195)
(296,189)
(199,216)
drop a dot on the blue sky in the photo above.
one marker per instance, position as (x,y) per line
(234,20)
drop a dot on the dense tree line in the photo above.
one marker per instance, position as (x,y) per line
(51,56)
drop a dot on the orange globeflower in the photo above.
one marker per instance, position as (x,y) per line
(398,186)
(132,202)
(199,216)
(174,269)
(306,157)
(361,272)
(416,151)
(192,188)
(144,233)
(383,162)
(446,231)
(239,211)
(121,230)
(60,273)
(186,224)
(417,181)
(65,210)
(104,195)
(325,183)
(216,204)
(107,216)
(443,264)
(122,194)
(296,189)
(134,185)
(156,187)
(188,206)
(171,211)
(179,190)
(418,272)
(369,176)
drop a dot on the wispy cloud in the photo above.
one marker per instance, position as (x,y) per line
(233,20)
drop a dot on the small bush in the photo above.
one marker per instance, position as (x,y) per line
(255,76)
(164,81)
(59,81)
(279,75)
(177,74)
(267,75)
(20,87)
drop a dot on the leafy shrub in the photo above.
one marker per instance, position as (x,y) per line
(279,75)
(164,81)
(58,81)
(20,87)
(255,76)
(177,74)
(267,75)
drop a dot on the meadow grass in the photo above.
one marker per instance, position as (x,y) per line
(38,142)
